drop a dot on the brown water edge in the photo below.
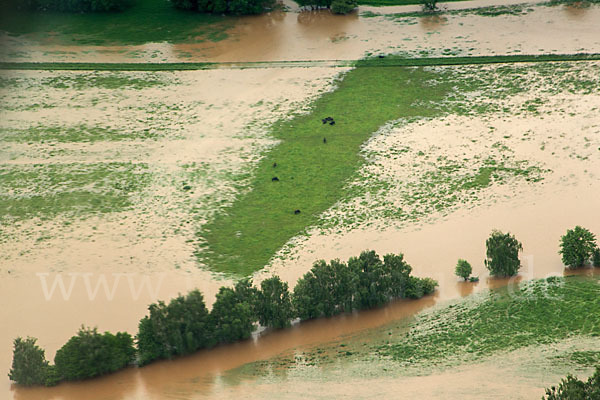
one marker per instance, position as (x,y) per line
(198,374)
(320,35)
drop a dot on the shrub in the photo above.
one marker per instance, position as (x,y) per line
(181,327)
(503,254)
(29,366)
(274,306)
(463,269)
(577,247)
(91,354)
(343,6)
(572,388)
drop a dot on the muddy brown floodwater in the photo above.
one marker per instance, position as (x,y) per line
(320,35)
(538,217)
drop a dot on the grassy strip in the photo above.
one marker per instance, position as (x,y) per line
(146,21)
(46,191)
(312,174)
(537,312)
(388,61)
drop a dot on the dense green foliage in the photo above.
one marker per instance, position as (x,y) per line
(78,6)
(596,257)
(535,312)
(364,282)
(234,312)
(577,247)
(235,7)
(181,327)
(274,305)
(343,6)
(572,388)
(90,354)
(429,5)
(463,269)
(184,325)
(503,254)
(29,366)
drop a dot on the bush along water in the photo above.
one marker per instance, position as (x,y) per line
(185,325)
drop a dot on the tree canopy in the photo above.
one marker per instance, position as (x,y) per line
(503,254)
(577,247)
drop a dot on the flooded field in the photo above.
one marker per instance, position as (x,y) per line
(319,35)
(109,177)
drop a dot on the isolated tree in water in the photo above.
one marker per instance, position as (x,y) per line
(463,269)
(503,254)
(577,247)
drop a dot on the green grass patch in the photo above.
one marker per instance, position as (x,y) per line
(312,174)
(146,21)
(387,61)
(47,190)
(533,313)
(73,134)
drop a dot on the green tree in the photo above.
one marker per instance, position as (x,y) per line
(181,327)
(29,366)
(577,247)
(90,354)
(572,388)
(343,6)
(596,257)
(235,7)
(429,6)
(234,312)
(463,269)
(503,254)
(274,305)
(419,287)
(373,287)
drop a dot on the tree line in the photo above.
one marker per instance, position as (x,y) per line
(232,7)
(185,325)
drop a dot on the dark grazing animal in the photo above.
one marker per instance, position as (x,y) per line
(274,164)
(297,212)
(332,122)
(275,179)
(324,140)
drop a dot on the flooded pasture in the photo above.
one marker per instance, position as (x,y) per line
(103,270)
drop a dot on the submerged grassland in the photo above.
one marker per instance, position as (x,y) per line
(408,144)
(557,319)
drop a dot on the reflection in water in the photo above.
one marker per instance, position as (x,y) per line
(432,22)
(576,10)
